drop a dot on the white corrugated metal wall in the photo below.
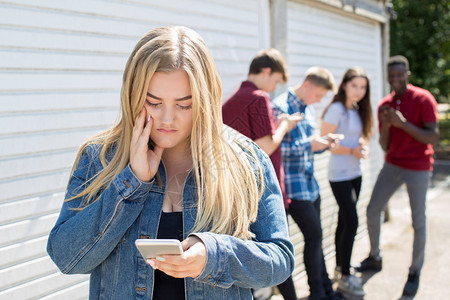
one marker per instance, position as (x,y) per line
(61,65)
(336,40)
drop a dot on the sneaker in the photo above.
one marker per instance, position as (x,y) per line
(351,285)
(412,285)
(370,264)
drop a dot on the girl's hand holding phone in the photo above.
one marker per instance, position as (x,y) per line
(189,264)
(143,161)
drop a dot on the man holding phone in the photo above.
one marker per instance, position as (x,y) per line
(249,111)
(408,130)
(298,148)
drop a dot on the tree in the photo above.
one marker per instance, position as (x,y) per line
(420,31)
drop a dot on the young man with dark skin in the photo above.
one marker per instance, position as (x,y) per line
(408,129)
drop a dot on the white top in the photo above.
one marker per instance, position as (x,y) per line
(344,167)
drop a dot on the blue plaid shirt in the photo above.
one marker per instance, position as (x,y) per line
(298,160)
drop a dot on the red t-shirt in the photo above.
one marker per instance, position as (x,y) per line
(249,111)
(418,106)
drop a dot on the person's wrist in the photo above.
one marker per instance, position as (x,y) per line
(285,126)
(403,123)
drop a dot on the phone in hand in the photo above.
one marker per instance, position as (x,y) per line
(333,137)
(150,248)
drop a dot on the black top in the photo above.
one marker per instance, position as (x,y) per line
(168,287)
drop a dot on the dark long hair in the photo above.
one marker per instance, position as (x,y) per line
(364,105)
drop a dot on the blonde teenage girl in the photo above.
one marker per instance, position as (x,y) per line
(170,169)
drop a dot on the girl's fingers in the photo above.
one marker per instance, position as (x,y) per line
(138,126)
(178,271)
(145,134)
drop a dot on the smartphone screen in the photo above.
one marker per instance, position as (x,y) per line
(150,248)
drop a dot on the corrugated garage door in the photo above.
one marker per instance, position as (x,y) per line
(61,66)
(336,41)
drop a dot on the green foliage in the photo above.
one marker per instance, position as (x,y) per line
(421,32)
(444,130)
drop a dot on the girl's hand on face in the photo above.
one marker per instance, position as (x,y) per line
(188,264)
(143,161)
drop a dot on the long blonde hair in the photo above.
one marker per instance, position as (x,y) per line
(228,174)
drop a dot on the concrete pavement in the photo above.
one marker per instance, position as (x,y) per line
(396,246)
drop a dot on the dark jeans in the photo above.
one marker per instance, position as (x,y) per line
(307,216)
(346,194)
(287,288)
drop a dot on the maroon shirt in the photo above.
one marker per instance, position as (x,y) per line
(418,106)
(249,112)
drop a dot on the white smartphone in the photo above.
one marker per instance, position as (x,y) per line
(150,248)
(337,137)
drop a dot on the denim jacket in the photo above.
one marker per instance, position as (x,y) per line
(99,240)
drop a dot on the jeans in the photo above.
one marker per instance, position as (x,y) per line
(287,288)
(389,180)
(307,216)
(346,194)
